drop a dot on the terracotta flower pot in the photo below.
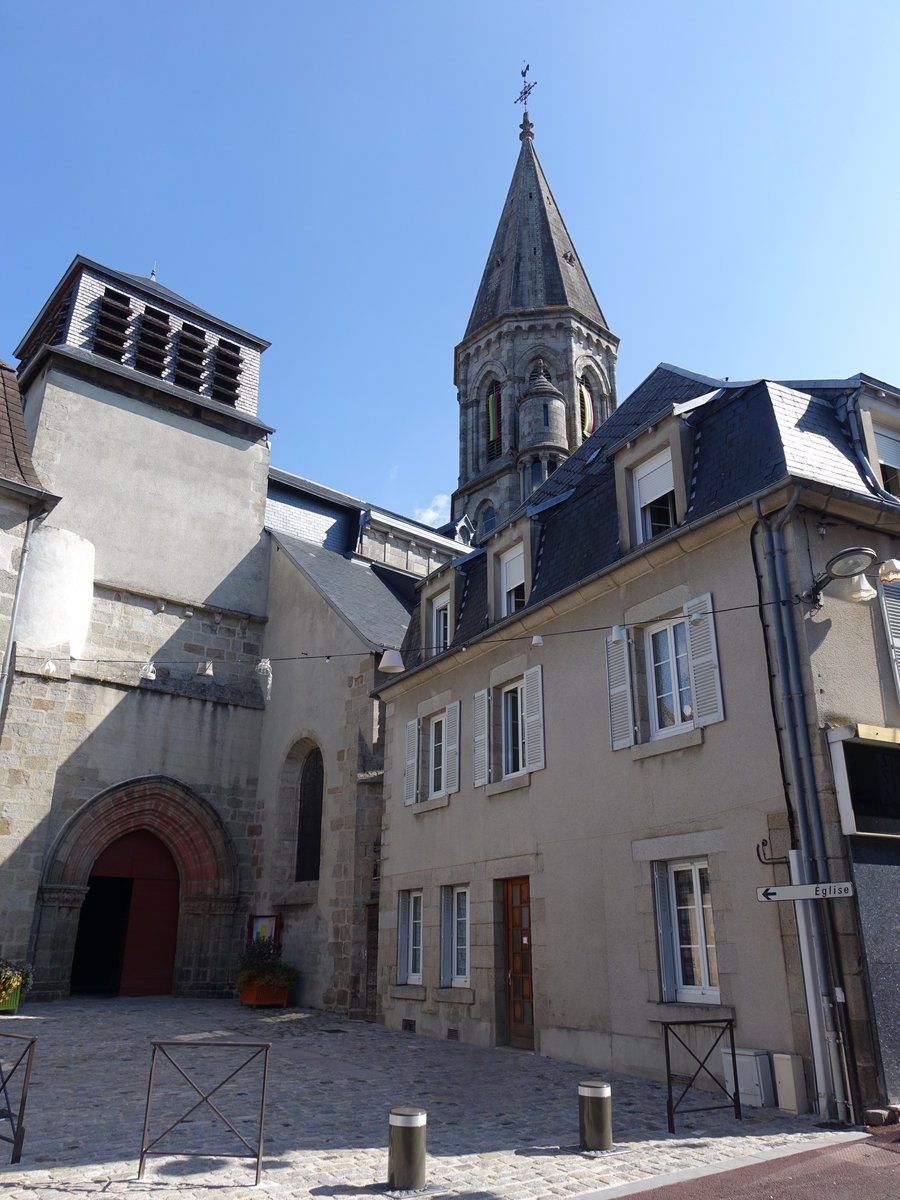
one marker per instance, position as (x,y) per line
(264,994)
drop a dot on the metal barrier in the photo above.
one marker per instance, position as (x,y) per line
(727,1026)
(149,1148)
(17,1120)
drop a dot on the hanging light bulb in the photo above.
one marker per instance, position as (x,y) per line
(148,671)
(617,635)
(391,662)
(264,670)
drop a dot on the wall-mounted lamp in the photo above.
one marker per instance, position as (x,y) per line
(889,571)
(618,635)
(391,662)
(850,563)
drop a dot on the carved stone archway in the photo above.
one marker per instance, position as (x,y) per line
(199,843)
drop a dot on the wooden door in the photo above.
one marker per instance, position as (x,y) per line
(519,996)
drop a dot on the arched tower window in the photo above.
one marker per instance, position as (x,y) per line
(485,521)
(494,423)
(309,823)
(587,407)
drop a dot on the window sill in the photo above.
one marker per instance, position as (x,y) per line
(681,1011)
(663,745)
(306,892)
(407,991)
(434,802)
(455,995)
(510,784)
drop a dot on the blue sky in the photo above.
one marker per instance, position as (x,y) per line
(330,178)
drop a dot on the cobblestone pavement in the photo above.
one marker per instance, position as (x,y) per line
(502,1124)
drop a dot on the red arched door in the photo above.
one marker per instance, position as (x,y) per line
(129,920)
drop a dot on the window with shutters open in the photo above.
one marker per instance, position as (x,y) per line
(680,660)
(516,712)
(436,739)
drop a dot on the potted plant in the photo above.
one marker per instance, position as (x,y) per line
(261,977)
(15,980)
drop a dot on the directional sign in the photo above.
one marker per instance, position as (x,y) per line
(805,891)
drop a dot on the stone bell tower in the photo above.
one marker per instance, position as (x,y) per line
(536,369)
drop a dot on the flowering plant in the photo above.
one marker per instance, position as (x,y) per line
(261,963)
(14,975)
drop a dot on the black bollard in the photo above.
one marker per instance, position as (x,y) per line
(406,1149)
(595,1115)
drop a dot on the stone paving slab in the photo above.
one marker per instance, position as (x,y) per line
(502,1124)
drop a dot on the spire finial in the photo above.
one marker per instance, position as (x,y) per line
(522,98)
(153,271)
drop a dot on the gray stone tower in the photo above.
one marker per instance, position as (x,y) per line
(536,370)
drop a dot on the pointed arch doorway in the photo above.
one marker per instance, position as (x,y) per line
(128,925)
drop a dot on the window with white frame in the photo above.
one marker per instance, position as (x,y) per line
(440,623)
(654,496)
(409,937)
(680,660)
(454,937)
(687,938)
(514,714)
(435,738)
(512,580)
(888,442)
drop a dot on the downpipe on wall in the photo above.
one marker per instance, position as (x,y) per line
(809,864)
(36,516)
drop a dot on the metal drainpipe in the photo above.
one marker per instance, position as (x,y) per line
(827,1061)
(10,641)
(846,410)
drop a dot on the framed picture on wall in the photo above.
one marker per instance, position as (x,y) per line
(265,925)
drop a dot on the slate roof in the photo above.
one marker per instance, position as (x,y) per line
(533,263)
(747,438)
(16,466)
(366,601)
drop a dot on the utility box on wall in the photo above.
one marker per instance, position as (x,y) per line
(790,1083)
(754,1068)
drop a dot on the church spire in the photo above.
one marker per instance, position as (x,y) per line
(532,263)
(536,368)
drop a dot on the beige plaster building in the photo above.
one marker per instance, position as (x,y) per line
(641,700)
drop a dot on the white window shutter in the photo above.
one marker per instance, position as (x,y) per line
(403,937)
(451,747)
(410,772)
(446,936)
(668,983)
(706,686)
(890,610)
(480,739)
(534,719)
(621,700)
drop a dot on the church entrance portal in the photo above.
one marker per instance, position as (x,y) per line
(129,920)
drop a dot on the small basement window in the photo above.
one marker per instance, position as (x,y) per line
(190,358)
(111,328)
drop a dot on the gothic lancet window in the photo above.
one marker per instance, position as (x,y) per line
(587,408)
(494,423)
(309,824)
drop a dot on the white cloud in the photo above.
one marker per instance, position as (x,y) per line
(437,512)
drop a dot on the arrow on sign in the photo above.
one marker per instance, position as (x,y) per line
(805,891)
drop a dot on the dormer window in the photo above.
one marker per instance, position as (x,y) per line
(512,580)
(494,423)
(440,622)
(654,496)
(888,443)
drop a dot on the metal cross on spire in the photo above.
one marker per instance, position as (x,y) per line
(527,88)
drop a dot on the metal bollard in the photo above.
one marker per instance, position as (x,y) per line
(406,1149)
(595,1115)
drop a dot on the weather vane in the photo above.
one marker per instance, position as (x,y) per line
(527,87)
